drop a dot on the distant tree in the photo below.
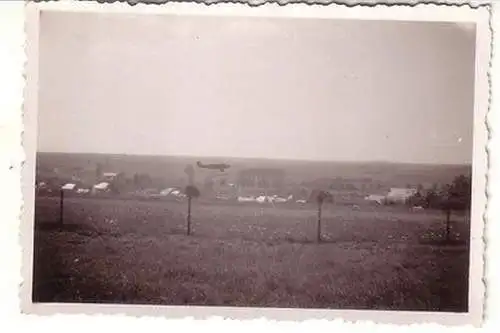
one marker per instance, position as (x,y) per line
(320,198)
(191,192)
(460,192)
(136,180)
(446,206)
(431,198)
(147,181)
(189,171)
(417,199)
(98,171)
(119,184)
(455,197)
(303,193)
(142,181)
(160,182)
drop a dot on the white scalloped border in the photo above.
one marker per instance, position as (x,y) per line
(227,8)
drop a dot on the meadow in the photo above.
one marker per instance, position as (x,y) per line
(137,252)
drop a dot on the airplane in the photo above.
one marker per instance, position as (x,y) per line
(222,166)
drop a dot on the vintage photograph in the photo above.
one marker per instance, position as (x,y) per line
(256,161)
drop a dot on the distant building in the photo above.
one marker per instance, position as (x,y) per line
(68,187)
(400,195)
(167,191)
(109,176)
(379,199)
(260,181)
(101,187)
(215,182)
(338,184)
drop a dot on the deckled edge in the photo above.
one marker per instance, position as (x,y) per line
(471,4)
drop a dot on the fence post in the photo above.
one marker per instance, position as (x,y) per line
(189,216)
(319,223)
(61,208)
(448,226)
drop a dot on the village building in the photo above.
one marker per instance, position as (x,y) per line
(219,185)
(68,187)
(167,191)
(376,198)
(100,188)
(260,181)
(400,195)
(108,176)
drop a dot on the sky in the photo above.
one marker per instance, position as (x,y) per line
(311,89)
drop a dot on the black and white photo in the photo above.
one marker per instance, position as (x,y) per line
(249,160)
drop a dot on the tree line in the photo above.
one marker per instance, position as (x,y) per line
(454,196)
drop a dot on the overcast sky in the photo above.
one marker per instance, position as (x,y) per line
(272,88)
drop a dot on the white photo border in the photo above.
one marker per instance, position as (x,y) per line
(422,12)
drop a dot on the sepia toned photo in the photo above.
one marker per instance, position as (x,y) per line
(256,158)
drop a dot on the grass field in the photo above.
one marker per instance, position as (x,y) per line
(245,255)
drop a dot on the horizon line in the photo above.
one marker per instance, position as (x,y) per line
(469,164)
